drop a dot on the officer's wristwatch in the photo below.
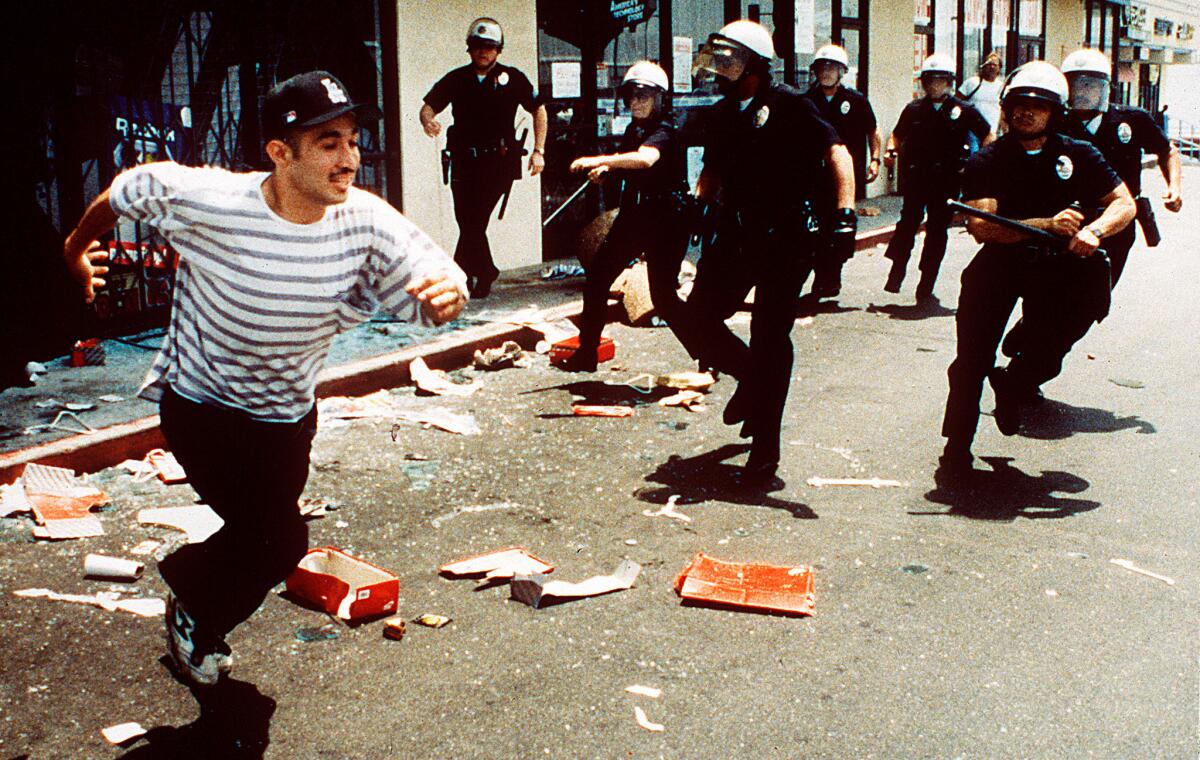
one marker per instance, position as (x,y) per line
(1095,230)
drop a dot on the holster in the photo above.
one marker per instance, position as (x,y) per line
(1149,225)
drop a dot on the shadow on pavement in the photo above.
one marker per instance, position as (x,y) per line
(234,723)
(1053,420)
(1006,493)
(599,393)
(810,305)
(927,309)
(706,477)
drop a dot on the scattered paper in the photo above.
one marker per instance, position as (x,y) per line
(437,521)
(535,590)
(690,381)
(595,410)
(778,588)
(668,510)
(105,600)
(379,404)
(508,354)
(122,732)
(816,482)
(61,502)
(433,621)
(644,722)
(111,398)
(689,400)
(436,381)
(645,691)
(1128,565)
(393,628)
(146,547)
(198,522)
(442,419)
(13,499)
(315,507)
(503,563)
(58,424)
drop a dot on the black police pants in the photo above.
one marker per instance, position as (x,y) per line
(477,185)
(658,230)
(922,196)
(251,473)
(1117,247)
(1058,302)
(829,261)
(775,263)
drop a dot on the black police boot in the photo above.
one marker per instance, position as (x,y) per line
(481,287)
(583,360)
(759,472)
(895,277)
(1014,341)
(1008,401)
(925,286)
(955,465)
(738,407)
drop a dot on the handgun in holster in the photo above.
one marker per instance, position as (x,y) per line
(1149,225)
(512,160)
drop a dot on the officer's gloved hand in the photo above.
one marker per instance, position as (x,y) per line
(845,227)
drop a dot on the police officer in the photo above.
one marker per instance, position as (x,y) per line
(932,138)
(1034,175)
(651,166)
(484,153)
(850,113)
(764,146)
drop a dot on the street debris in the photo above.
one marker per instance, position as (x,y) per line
(376,405)
(633,288)
(314,508)
(436,381)
(111,398)
(640,715)
(393,628)
(645,691)
(552,332)
(61,502)
(198,522)
(437,521)
(420,472)
(53,403)
(817,482)
(507,354)
(13,499)
(325,632)
(343,585)
(122,732)
(58,424)
(442,419)
(535,590)
(668,510)
(168,468)
(113,568)
(145,547)
(502,563)
(1126,382)
(693,401)
(686,381)
(596,410)
(562,271)
(914,569)
(775,588)
(88,353)
(1128,565)
(564,349)
(433,621)
(105,600)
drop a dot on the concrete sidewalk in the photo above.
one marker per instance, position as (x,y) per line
(371,356)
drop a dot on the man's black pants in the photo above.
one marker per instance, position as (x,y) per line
(1059,302)
(477,185)
(251,473)
(921,196)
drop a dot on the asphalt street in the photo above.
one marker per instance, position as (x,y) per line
(980,622)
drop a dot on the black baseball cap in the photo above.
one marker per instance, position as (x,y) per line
(306,100)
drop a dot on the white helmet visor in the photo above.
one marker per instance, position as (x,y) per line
(1089,92)
(720,57)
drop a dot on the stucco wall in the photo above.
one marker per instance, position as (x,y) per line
(1066,24)
(432,40)
(891,64)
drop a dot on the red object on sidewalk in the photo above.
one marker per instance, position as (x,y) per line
(592,410)
(776,588)
(565,349)
(343,585)
(87,353)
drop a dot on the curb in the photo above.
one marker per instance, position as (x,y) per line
(131,440)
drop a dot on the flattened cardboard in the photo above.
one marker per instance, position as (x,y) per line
(343,585)
(774,588)
(502,563)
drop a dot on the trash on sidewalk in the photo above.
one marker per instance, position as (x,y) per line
(437,521)
(393,628)
(421,473)
(443,419)
(566,348)
(112,568)
(57,424)
(597,410)
(325,632)
(869,211)
(1127,383)
(640,716)
(502,563)
(122,732)
(690,400)
(376,405)
(111,398)
(817,482)
(508,354)
(668,510)
(316,507)
(105,600)
(645,691)
(61,502)
(344,585)
(536,590)
(686,381)
(13,499)
(87,353)
(562,271)
(197,521)
(145,547)
(433,621)
(436,381)
(633,286)
(1128,565)
(775,588)
(552,332)
(169,470)
(915,569)
(53,403)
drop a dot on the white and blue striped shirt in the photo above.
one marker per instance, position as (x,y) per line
(258,299)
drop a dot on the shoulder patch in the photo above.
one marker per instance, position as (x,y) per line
(1064,167)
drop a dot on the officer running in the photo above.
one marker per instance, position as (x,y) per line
(764,149)
(1034,175)
(850,113)
(651,166)
(932,137)
(484,153)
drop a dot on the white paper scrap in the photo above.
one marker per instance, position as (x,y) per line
(645,691)
(535,589)
(644,722)
(198,522)
(122,732)
(432,381)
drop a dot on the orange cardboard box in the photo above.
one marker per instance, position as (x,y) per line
(565,349)
(343,585)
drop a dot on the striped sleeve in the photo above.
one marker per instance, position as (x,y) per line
(403,254)
(147,193)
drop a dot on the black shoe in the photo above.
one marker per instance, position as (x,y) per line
(480,287)
(925,289)
(738,408)
(956,460)
(760,474)
(895,277)
(580,361)
(1014,341)
(1008,402)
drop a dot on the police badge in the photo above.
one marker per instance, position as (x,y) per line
(761,116)
(1124,132)
(502,79)
(955,113)
(845,107)
(1064,167)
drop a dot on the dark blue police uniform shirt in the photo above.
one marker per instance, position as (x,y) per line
(1125,131)
(934,140)
(483,111)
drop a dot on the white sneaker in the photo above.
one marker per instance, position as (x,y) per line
(199,658)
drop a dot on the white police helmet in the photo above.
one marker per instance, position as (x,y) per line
(485,31)
(1087,61)
(833,54)
(938,64)
(729,52)
(646,74)
(1036,80)
(1088,74)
